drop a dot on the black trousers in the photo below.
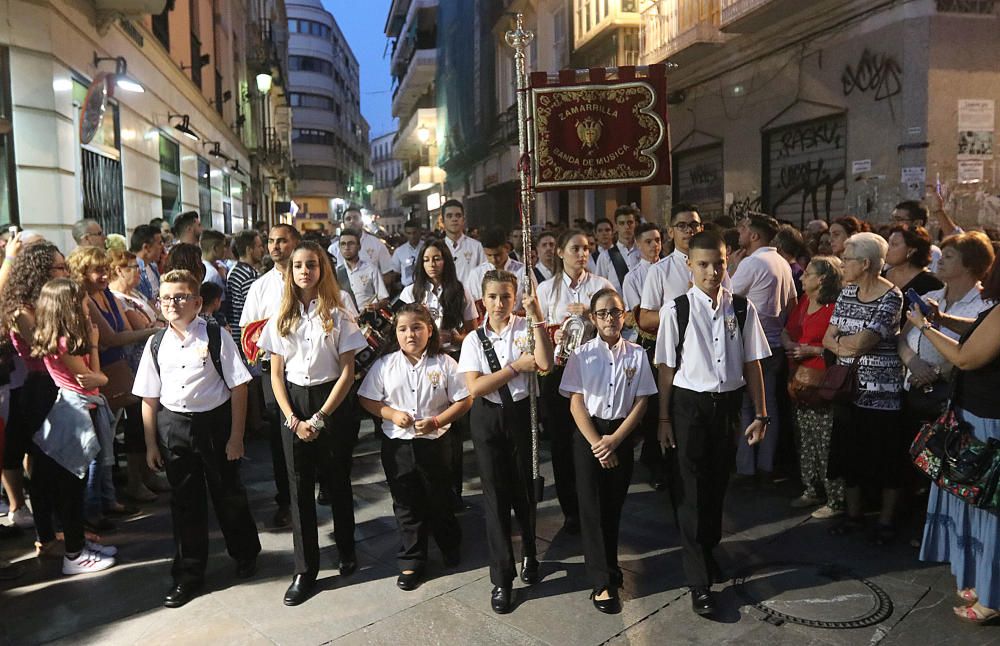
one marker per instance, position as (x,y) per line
(419,477)
(275,430)
(327,459)
(56,491)
(705,428)
(195,461)
(602,495)
(455,439)
(560,428)
(502,439)
(651,454)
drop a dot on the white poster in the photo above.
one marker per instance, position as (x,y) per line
(859,166)
(913,179)
(975,144)
(976,115)
(970,171)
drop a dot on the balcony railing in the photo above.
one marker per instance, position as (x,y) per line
(671,26)
(595,17)
(750,15)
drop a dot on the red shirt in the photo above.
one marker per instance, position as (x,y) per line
(809,329)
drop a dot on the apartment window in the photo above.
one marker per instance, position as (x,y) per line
(8,185)
(305,100)
(195,60)
(205,192)
(310,27)
(100,169)
(313,136)
(170,177)
(324,173)
(161,27)
(309,64)
(227,204)
(630,6)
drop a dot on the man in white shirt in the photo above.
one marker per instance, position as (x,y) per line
(407,255)
(545,247)
(622,256)
(708,348)
(373,249)
(262,302)
(147,245)
(466,252)
(494,242)
(363,281)
(765,278)
(604,236)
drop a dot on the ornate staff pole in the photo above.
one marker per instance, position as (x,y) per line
(519,40)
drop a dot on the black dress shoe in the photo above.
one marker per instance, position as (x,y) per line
(529,570)
(180,594)
(348,566)
(282,518)
(300,590)
(246,568)
(571,525)
(500,599)
(610,606)
(408,581)
(701,601)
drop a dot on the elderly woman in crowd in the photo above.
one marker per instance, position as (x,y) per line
(803,341)
(965,536)
(868,446)
(908,257)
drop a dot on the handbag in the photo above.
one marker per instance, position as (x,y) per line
(839,383)
(803,387)
(118,390)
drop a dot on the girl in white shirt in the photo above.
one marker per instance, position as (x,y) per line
(418,393)
(608,381)
(566,294)
(312,344)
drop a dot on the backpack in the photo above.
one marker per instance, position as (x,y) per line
(683,304)
(214,349)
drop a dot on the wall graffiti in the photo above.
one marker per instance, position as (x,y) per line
(807,170)
(741,206)
(808,137)
(807,182)
(878,73)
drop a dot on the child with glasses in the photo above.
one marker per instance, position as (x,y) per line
(608,381)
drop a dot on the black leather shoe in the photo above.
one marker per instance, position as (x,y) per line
(408,581)
(282,518)
(500,599)
(571,525)
(246,568)
(529,570)
(609,606)
(180,594)
(701,601)
(348,565)
(300,590)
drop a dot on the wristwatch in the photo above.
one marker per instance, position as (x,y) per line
(763,418)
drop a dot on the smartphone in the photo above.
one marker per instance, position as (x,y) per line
(12,230)
(914,297)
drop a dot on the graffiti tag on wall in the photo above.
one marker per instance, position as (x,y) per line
(878,73)
(807,170)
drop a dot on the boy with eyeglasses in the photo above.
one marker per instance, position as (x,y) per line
(197,416)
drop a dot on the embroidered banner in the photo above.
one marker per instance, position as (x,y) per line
(600,132)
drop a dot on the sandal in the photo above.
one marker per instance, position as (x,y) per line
(847,526)
(883,534)
(968,596)
(977,614)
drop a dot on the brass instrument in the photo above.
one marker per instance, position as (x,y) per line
(574,332)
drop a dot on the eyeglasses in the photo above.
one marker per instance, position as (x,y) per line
(850,258)
(604,315)
(177,301)
(131,266)
(687,226)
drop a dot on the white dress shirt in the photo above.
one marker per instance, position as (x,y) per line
(609,378)
(372,250)
(606,268)
(312,355)
(423,390)
(475,282)
(468,254)
(404,262)
(432,299)
(765,278)
(193,386)
(543,270)
(366,283)
(264,298)
(713,355)
(667,279)
(555,294)
(509,344)
(632,289)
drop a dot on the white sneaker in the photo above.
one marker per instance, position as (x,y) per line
(103,550)
(87,561)
(22,518)
(826,511)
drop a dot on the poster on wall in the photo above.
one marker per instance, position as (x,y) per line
(976,125)
(971,171)
(913,179)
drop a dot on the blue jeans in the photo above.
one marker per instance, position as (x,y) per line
(100,492)
(760,457)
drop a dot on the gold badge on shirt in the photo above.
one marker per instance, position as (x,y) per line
(435,378)
(629,373)
(731,325)
(521,342)
(365,280)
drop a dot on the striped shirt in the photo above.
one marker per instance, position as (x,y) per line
(237,285)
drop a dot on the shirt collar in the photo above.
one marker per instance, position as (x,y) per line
(625,250)
(764,250)
(569,281)
(696,293)
(191,328)
(456,243)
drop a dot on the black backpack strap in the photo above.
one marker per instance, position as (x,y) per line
(506,399)
(345,284)
(215,350)
(539,276)
(154,348)
(740,308)
(683,304)
(621,267)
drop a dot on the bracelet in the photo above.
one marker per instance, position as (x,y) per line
(291,422)
(539,324)
(511,366)
(437,424)
(926,325)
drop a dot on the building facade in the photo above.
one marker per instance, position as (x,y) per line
(387,171)
(138,111)
(822,109)
(329,135)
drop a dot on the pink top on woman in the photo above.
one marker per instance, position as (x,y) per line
(62,375)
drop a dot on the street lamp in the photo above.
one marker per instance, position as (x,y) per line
(423,134)
(264,81)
